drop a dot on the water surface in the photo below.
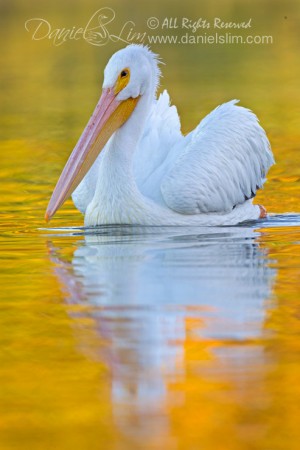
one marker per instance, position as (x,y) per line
(137,337)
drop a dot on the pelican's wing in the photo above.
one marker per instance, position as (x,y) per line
(160,138)
(224,163)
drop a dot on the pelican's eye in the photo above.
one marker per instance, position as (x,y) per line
(122,81)
(124,73)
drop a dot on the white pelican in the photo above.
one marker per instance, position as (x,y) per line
(148,173)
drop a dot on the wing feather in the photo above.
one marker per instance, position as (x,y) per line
(223,164)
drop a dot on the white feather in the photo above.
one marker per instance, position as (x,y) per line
(223,165)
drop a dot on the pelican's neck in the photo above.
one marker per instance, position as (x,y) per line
(117,159)
(126,138)
(117,197)
(115,176)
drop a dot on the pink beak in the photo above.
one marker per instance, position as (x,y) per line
(107,117)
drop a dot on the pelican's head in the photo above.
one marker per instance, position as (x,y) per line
(130,74)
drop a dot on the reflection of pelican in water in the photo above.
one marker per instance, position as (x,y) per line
(140,284)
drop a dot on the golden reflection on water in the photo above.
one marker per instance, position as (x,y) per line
(76,373)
